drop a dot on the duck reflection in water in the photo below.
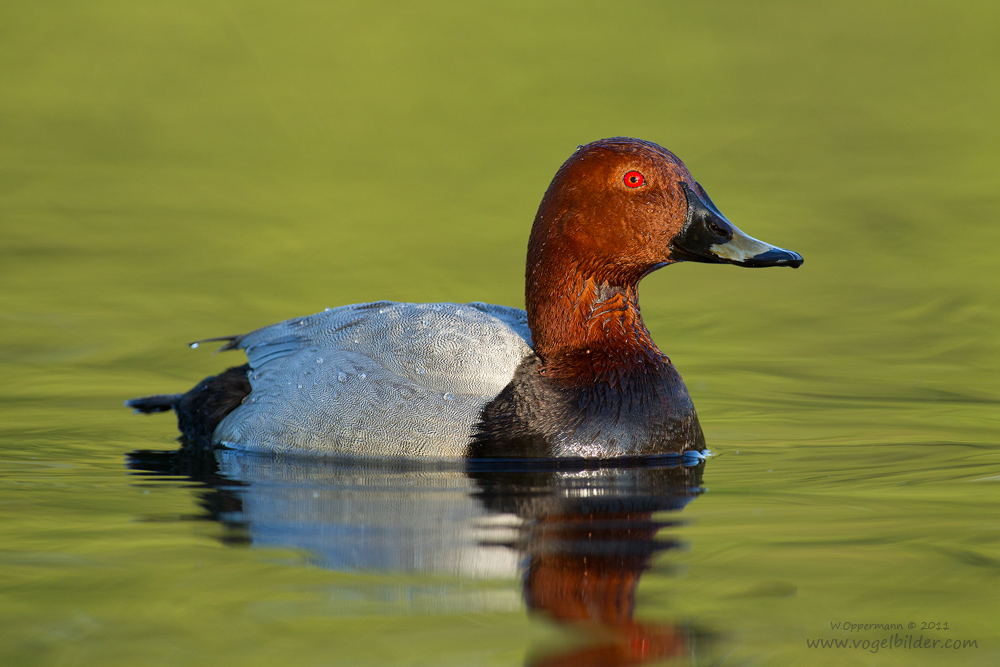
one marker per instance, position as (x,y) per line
(580,535)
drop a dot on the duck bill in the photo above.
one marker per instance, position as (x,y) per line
(708,237)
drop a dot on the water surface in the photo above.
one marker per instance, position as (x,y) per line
(171,171)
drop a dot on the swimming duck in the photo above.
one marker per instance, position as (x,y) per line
(576,374)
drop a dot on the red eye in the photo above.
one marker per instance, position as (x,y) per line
(633,179)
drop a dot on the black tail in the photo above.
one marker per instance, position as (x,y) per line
(200,410)
(150,404)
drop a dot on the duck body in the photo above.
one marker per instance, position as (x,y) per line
(575,375)
(392,380)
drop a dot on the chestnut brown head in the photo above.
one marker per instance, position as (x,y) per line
(616,210)
(620,208)
(611,210)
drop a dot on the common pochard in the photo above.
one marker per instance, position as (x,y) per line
(575,375)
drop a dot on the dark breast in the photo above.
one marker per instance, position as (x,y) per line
(642,413)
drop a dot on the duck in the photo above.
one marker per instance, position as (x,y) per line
(575,375)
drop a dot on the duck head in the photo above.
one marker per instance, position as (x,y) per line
(615,211)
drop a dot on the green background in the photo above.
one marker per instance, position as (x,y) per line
(171,171)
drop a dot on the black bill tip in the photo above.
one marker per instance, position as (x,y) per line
(774,257)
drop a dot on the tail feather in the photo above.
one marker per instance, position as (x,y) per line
(200,410)
(232,342)
(151,404)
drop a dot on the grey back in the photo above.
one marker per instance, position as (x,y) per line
(384,380)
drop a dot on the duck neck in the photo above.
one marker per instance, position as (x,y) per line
(588,328)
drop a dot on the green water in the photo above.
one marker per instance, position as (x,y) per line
(171,171)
